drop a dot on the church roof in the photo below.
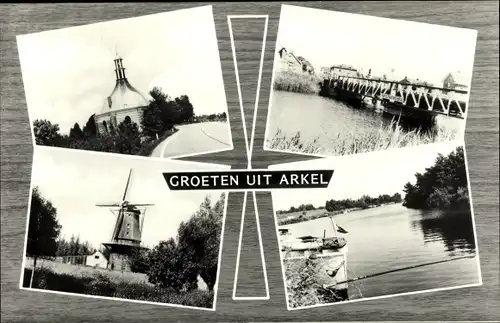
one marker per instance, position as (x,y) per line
(124,95)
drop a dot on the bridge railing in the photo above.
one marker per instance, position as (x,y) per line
(451,102)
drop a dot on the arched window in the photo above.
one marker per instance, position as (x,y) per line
(105,125)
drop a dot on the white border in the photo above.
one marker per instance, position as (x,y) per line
(265,148)
(480,277)
(264,271)
(249,148)
(23,265)
(165,142)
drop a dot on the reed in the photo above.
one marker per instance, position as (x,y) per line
(296,82)
(385,137)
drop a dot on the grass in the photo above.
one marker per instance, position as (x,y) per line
(98,282)
(385,137)
(149,145)
(82,271)
(296,82)
(305,284)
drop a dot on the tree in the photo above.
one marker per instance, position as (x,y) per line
(443,185)
(186,110)
(161,114)
(90,128)
(73,247)
(76,133)
(200,239)
(167,265)
(196,252)
(127,137)
(139,262)
(43,229)
(46,133)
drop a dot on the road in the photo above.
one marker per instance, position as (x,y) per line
(196,138)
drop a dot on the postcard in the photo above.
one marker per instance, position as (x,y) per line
(148,86)
(108,226)
(347,83)
(392,222)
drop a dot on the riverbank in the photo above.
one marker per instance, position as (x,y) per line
(296,82)
(298,217)
(384,137)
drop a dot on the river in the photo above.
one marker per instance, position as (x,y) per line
(328,119)
(391,237)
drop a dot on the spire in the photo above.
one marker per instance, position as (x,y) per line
(119,69)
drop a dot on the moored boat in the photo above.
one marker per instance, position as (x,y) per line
(327,255)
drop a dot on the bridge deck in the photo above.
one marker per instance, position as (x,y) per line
(435,100)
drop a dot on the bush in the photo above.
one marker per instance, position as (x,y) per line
(102,285)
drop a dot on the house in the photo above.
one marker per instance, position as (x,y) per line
(451,82)
(343,70)
(290,62)
(417,82)
(96,260)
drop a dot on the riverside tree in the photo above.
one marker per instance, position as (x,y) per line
(443,185)
(43,229)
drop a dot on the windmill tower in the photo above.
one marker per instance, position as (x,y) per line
(126,236)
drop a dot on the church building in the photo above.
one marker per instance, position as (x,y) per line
(123,101)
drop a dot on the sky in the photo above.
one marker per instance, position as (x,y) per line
(75,181)
(417,50)
(375,173)
(68,73)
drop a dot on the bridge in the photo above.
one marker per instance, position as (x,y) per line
(401,96)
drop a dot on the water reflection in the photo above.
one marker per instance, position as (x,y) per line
(454,228)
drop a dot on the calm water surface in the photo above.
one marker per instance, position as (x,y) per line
(392,237)
(328,119)
(316,116)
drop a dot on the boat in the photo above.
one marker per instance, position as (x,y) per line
(328,254)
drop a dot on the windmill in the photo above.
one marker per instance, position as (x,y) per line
(126,235)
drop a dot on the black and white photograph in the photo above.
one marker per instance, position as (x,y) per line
(349,83)
(393,222)
(108,226)
(148,86)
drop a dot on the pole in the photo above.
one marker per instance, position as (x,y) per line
(404,268)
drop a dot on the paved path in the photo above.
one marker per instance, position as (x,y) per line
(196,138)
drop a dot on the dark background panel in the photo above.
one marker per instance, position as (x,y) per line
(476,303)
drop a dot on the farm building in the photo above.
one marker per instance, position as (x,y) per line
(124,100)
(96,260)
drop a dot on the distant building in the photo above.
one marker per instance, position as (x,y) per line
(290,62)
(324,72)
(123,101)
(97,260)
(450,82)
(343,70)
(417,82)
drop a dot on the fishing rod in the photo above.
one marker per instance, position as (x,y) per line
(404,268)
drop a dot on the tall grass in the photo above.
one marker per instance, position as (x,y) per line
(385,137)
(296,82)
(100,283)
(305,284)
